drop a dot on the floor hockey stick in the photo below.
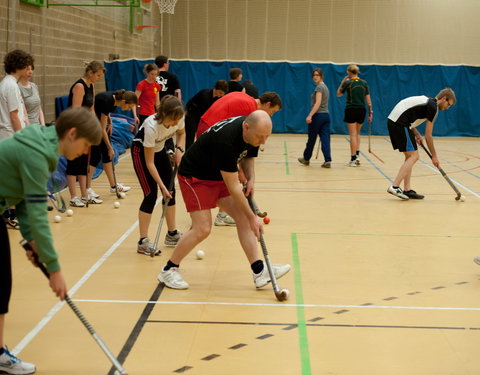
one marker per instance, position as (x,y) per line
(59,206)
(455,189)
(369,142)
(281,294)
(120,370)
(255,209)
(153,249)
(117,193)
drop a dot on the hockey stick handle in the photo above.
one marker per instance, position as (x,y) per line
(78,313)
(276,288)
(255,209)
(164,210)
(443,172)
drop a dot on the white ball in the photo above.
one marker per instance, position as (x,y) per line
(116,204)
(200,254)
(58,218)
(122,195)
(462,198)
(69,212)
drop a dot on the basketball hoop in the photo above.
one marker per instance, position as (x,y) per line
(166,6)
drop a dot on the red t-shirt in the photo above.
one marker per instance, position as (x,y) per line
(148,96)
(233,104)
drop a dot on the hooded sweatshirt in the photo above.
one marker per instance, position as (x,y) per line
(26,161)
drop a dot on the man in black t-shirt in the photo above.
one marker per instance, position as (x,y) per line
(170,86)
(402,123)
(169,81)
(235,78)
(208,177)
(198,105)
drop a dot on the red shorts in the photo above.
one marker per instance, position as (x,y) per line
(202,128)
(201,194)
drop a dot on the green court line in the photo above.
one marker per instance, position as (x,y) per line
(302,327)
(285,153)
(386,235)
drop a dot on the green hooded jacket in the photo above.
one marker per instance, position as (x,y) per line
(26,161)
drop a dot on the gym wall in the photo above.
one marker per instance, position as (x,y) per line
(61,38)
(338,31)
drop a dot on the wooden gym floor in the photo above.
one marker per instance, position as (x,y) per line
(378,285)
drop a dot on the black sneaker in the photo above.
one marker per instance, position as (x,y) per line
(412,194)
(303,161)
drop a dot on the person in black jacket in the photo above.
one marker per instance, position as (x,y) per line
(198,105)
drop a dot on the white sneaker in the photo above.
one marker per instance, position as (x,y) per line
(263,278)
(76,202)
(172,279)
(147,248)
(398,192)
(172,241)
(357,160)
(353,163)
(121,188)
(91,200)
(477,260)
(222,220)
(91,193)
(11,364)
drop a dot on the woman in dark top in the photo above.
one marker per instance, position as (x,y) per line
(105,103)
(82,94)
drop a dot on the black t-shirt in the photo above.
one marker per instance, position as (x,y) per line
(250,89)
(220,148)
(234,86)
(169,83)
(104,103)
(199,104)
(87,100)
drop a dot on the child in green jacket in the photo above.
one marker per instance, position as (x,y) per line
(26,161)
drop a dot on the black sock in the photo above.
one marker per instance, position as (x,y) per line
(113,187)
(169,265)
(353,157)
(141,239)
(257,267)
(395,187)
(358,152)
(1,351)
(172,232)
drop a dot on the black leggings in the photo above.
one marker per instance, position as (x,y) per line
(5,269)
(148,184)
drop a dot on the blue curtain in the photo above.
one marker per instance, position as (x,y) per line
(292,81)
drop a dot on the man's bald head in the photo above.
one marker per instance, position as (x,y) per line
(257,127)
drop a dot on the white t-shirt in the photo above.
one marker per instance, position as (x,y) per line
(10,100)
(156,134)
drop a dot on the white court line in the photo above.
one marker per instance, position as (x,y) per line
(43,322)
(453,180)
(281,305)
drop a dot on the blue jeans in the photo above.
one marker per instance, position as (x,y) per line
(320,126)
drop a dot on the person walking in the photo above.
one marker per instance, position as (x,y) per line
(318,121)
(358,95)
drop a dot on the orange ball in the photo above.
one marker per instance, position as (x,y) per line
(266,220)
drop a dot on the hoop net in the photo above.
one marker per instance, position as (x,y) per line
(166,6)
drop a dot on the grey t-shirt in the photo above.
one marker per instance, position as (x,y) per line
(323,89)
(32,102)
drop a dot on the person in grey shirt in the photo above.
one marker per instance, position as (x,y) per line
(31,98)
(318,121)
